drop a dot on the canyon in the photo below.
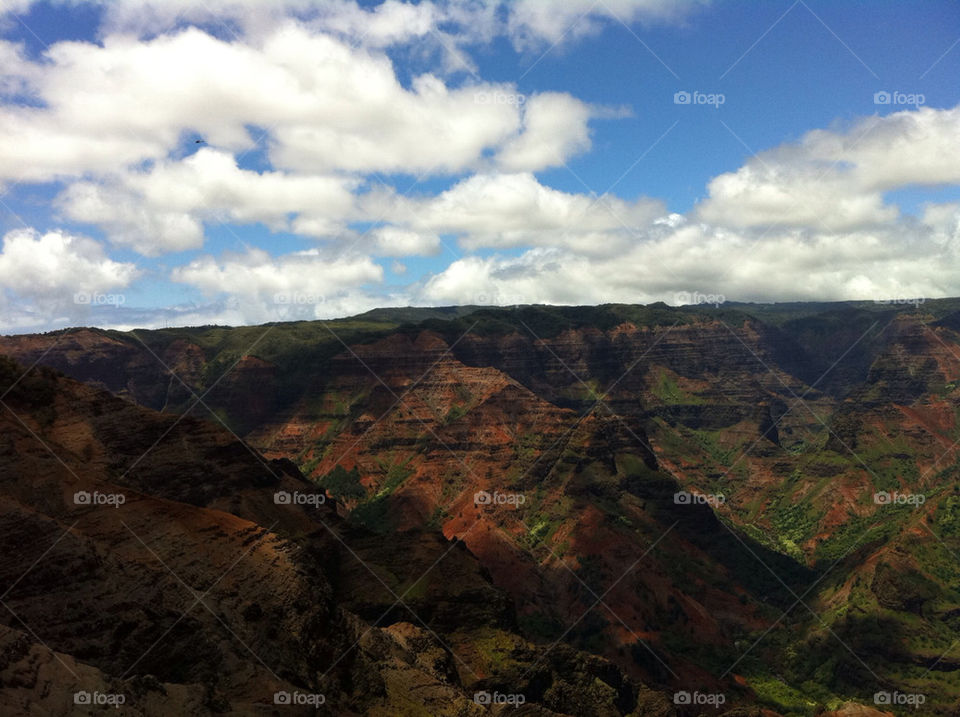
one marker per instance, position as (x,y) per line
(605,510)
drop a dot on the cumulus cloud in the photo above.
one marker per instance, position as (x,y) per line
(394,241)
(163,209)
(554,128)
(254,287)
(389,23)
(326,106)
(909,147)
(943,220)
(673,262)
(513,210)
(55,265)
(533,23)
(128,221)
(758,194)
(312,275)
(836,179)
(527,23)
(56,277)
(16,72)
(367,122)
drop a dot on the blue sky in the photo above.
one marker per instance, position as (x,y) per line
(442,153)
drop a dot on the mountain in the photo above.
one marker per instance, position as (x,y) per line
(147,560)
(755,506)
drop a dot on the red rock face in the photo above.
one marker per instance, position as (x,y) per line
(459,429)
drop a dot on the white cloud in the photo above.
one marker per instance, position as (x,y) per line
(326,107)
(304,285)
(10,10)
(534,23)
(554,129)
(255,273)
(129,221)
(836,179)
(759,194)
(16,72)
(16,7)
(56,264)
(383,25)
(909,147)
(393,241)
(696,258)
(513,210)
(528,23)
(367,122)
(944,221)
(163,209)
(387,23)
(56,277)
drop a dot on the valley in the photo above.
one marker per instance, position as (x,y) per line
(607,510)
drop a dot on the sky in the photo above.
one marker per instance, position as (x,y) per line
(188,162)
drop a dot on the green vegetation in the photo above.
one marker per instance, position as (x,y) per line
(947,518)
(343,484)
(496,649)
(371,511)
(374,515)
(667,390)
(394,475)
(712,443)
(794,524)
(456,412)
(788,700)
(437,518)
